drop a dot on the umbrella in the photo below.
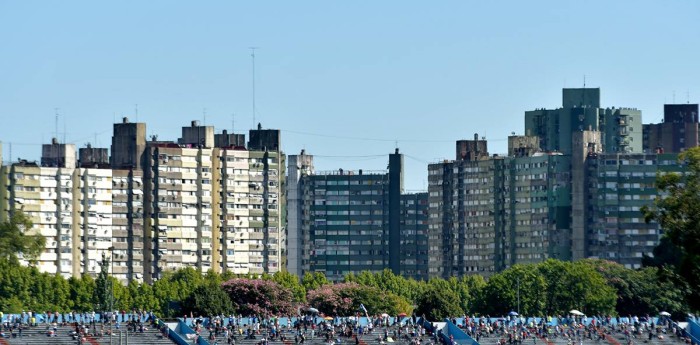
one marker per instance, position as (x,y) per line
(385,315)
(665,313)
(328,318)
(575,312)
(312,310)
(402,314)
(513,313)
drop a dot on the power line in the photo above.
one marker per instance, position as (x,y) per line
(380,139)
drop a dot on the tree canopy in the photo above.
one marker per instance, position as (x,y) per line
(678,213)
(18,236)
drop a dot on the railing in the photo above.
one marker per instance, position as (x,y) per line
(693,331)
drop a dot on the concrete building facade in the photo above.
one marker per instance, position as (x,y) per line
(128,145)
(489,214)
(678,132)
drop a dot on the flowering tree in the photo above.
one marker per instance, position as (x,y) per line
(259,297)
(345,299)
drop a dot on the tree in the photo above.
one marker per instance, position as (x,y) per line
(208,300)
(104,290)
(345,299)
(575,285)
(82,293)
(521,288)
(174,287)
(259,297)
(678,213)
(18,236)
(437,303)
(313,281)
(291,282)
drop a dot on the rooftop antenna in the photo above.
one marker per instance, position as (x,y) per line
(233,122)
(136,112)
(252,55)
(204,115)
(584,81)
(56,123)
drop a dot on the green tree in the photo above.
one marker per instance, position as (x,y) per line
(575,285)
(313,281)
(438,302)
(142,296)
(520,288)
(208,300)
(174,287)
(678,213)
(104,290)
(18,236)
(82,293)
(291,282)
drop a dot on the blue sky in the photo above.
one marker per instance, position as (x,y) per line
(344,80)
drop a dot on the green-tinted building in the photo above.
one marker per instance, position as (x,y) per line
(621,128)
(619,186)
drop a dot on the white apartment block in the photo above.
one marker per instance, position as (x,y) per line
(70,207)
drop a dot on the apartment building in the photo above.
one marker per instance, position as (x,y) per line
(620,185)
(677,132)
(70,207)
(488,213)
(348,221)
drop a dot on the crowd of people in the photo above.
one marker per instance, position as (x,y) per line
(512,330)
(332,330)
(82,325)
(575,330)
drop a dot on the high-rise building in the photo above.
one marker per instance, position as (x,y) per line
(178,206)
(252,211)
(621,128)
(414,236)
(70,207)
(128,216)
(493,212)
(348,221)
(128,145)
(298,239)
(677,133)
(620,184)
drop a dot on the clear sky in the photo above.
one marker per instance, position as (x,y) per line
(346,80)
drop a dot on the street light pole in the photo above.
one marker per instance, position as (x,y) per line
(518,296)
(111,294)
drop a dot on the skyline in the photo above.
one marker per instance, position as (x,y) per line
(422,76)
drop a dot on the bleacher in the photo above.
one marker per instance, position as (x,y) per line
(39,336)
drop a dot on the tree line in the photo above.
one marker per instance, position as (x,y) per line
(553,287)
